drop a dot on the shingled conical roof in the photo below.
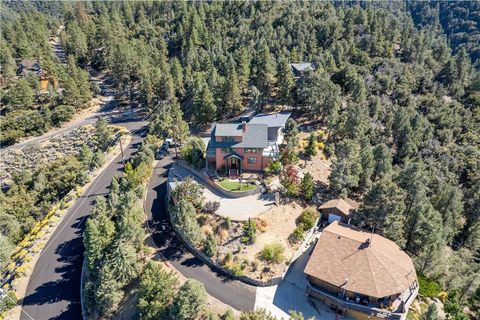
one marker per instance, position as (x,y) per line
(373,265)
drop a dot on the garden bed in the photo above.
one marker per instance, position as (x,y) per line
(274,229)
(235,185)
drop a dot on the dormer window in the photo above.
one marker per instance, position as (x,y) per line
(227,139)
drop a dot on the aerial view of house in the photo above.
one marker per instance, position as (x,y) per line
(366,275)
(246,146)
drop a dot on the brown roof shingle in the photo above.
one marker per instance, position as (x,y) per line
(376,269)
(345,207)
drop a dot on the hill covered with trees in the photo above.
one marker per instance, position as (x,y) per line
(395,86)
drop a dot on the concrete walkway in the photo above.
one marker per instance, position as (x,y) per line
(237,209)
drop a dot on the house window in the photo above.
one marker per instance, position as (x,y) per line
(251,150)
(252,160)
(228,150)
(227,138)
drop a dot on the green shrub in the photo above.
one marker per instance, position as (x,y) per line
(274,168)
(428,287)
(297,234)
(62,114)
(249,232)
(8,302)
(210,245)
(307,218)
(235,268)
(273,253)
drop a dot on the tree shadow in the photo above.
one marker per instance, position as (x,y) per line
(69,257)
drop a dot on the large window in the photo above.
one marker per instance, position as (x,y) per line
(228,150)
(252,160)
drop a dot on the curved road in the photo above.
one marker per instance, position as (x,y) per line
(53,291)
(234,293)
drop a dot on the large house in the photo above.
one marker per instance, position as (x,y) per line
(360,274)
(246,146)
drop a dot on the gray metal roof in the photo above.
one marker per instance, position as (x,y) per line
(254,137)
(271,120)
(228,129)
(303,66)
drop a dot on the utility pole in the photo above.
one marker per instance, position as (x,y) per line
(175,142)
(121,149)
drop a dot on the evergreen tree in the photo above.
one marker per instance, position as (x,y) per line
(286,83)
(307,186)
(156,291)
(265,75)
(22,94)
(210,245)
(311,149)
(190,301)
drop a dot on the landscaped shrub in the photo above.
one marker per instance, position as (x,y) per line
(290,180)
(235,268)
(273,253)
(211,207)
(428,287)
(297,234)
(228,223)
(274,168)
(307,218)
(210,245)
(249,232)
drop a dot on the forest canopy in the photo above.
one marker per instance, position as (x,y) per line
(396,86)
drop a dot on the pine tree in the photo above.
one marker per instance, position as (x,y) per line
(431,313)
(156,291)
(265,76)
(231,96)
(311,149)
(190,301)
(210,245)
(286,83)
(307,186)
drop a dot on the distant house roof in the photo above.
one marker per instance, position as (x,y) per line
(342,205)
(361,262)
(29,63)
(271,120)
(303,66)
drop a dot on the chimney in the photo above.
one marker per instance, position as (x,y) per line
(244,126)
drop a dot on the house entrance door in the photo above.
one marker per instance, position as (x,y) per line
(234,163)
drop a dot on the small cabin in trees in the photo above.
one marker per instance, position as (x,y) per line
(298,69)
(32,65)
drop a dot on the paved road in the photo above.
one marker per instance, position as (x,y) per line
(54,288)
(234,293)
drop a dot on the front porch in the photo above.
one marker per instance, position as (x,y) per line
(233,164)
